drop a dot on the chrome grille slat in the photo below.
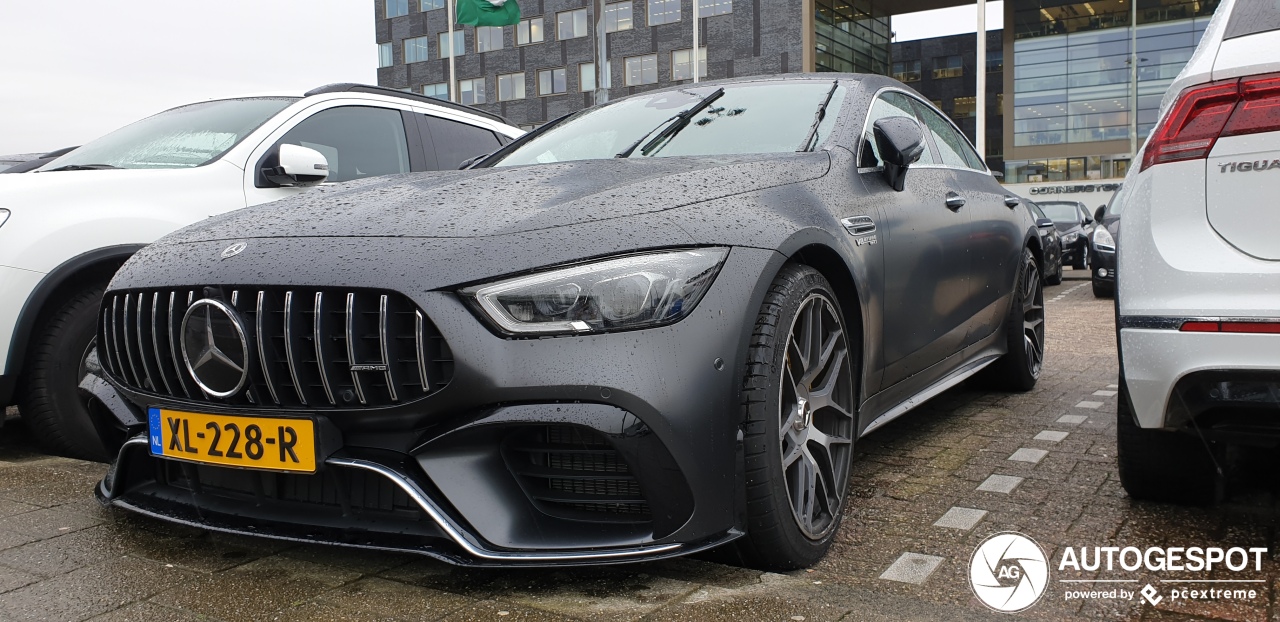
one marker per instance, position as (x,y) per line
(173,348)
(259,334)
(387,340)
(382,343)
(319,339)
(351,346)
(155,344)
(288,347)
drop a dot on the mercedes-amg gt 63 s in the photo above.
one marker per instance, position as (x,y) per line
(649,328)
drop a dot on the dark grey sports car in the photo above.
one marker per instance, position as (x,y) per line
(654,327)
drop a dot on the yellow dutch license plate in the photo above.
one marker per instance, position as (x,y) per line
(268,443)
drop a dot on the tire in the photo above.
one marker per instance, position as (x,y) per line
(804,410)
(1162,465)
(1103,290)
(51,404)
(1019,369)
(1056,279)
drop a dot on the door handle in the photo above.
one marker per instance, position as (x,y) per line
(954,201)
(1011,202)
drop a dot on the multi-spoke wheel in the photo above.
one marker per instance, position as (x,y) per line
(816,411)
(1024,331)
(800,397)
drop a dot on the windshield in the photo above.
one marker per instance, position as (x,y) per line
(759,117)
(1061,212)
(183,137)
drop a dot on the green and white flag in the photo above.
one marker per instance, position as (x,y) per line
(488,12)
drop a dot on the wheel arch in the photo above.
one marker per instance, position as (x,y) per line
(54,288)
(828,262)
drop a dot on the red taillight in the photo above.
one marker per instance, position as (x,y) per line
(1231,327)
(1204,113)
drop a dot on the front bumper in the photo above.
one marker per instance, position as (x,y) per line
(451,473)
(1173,377)
(1103,266)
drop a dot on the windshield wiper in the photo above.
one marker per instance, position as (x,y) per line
(681,120)
(81,167)
(807,145)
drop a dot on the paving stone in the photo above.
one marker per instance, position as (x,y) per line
(1000,483)
(1072,419)
(1053,436)
(912,568)
(960,518)
(1087,404)
(1107,393)
(1027,454)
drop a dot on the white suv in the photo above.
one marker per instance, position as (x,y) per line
(67,227)
(1198,304)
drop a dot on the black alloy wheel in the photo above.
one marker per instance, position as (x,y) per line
(1020,368)
(801,404)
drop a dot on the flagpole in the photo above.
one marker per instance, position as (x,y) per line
(695,55)
(601,52)
(453,83)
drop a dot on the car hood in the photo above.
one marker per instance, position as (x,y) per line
(51,189)
(1066,227)
(501,201)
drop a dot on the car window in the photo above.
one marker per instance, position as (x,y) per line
(358,141)
(953,149)
(1036,212)
(455,141)
(889,104)
(1066,213)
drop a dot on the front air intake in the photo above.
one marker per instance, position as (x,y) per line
(573,472)
(299,348)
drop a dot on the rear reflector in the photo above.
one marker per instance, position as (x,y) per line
(1231,327)
(1204,113)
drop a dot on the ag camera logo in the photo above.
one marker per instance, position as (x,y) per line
(1009,572)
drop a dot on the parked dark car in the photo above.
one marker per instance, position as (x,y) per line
(1102,249)
(1075,224)
(654,327)
(1050,241)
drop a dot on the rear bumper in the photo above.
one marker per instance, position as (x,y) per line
(1172,376)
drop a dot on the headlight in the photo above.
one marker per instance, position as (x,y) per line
(4,215)
(1070,238)
(1103,241)
(638,291)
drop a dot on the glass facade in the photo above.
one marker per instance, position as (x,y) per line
(1072,75)
(852,36)
(1065,169)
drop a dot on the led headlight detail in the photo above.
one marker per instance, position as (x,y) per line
(638,291)
(1103,241)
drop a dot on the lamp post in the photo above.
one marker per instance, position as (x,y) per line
(980,127)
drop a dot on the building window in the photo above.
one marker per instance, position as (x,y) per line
(995,61)
(617,16)
(488,38)
(937,103)
(707,8)
(948,67)
(415,50)
(440,90)
(663,11)
(471,92)
(963,107)
(384,55)
(680,61)
(587,77)
(907,71)
(428,5)
(510,86)
(999,104)
(642,70)
(529,31)
(571,24)
(459,44)
(396,8)
(551,81)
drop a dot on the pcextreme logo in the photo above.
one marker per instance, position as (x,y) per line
(1009,572)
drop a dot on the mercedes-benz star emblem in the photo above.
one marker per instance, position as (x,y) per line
(215,347)
(233,250)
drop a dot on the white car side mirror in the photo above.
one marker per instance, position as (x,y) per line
(297,166)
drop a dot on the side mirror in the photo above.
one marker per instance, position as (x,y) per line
(295,166)
(1099,213)
(900,142)
(1044,222)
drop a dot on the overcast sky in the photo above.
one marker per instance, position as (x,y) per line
(71,73)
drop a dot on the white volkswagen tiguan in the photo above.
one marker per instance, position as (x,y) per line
(66,227)
(1198,303)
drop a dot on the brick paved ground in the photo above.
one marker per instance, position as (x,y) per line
(62,557)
